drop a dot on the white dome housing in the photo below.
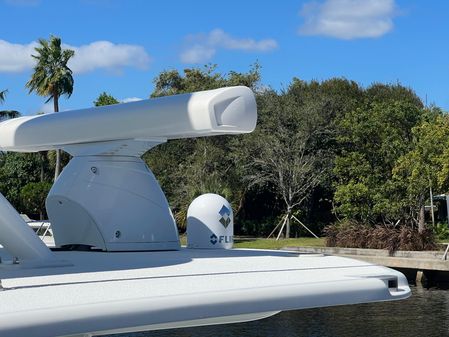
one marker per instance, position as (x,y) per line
(210,223)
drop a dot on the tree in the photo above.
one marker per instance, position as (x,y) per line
(280,154)
(379,92)
(372,138)
(7,114)
(425,166)
(17,170)
(171,82)
(329,101)
(52,77)
(105,99)
(33,196)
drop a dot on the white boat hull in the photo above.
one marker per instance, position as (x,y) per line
(104,293)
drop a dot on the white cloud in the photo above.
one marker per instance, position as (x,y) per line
(107,55)
(130,99)
(16,58)
(96,55)
(202,47)
(197,53)
(348,19)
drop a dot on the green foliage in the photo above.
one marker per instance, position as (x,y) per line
(355,201)
(379,92)
(7,114)
(171,82)
(372,137)
(282,153)
(105,99)
(51,77)
(17,170)
(33,197)
(19,176)
(49,157)
(424,166)
(441,231)
(317,144)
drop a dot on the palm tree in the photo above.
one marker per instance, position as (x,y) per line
(52,77)
(6,114)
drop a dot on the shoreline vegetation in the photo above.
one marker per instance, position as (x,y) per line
(264,243)
(342,158)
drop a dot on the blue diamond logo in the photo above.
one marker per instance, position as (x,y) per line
(225,219)
(225,211)
(213,239)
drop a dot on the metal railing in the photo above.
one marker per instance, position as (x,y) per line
(446,252)
(47,229)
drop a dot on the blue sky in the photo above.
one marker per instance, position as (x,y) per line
(122,45)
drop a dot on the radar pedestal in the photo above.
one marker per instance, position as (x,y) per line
(113,203)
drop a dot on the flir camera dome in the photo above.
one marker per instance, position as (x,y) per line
(210,223)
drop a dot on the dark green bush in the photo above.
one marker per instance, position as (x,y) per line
(353,235)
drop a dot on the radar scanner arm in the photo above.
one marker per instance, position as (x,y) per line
(214,112)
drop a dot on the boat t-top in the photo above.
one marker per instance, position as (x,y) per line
(118,266)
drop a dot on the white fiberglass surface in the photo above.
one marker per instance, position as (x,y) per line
(97,266)
(166,288)
(136,274)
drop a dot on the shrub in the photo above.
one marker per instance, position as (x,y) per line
(33,197)
(354,235)
(442,231)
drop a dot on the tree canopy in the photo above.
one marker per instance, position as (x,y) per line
(171,82)
(372,138)
(7,114)
(424,166)
(105,99)
(51,76)
(281,154)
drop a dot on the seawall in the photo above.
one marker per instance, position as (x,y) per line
(430,268)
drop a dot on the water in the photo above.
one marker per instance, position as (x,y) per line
(425,314)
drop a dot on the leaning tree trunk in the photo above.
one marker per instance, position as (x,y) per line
(421,216)
(58,152)
(57,164)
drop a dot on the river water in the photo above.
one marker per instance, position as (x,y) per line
(425,314)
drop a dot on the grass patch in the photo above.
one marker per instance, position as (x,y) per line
(259,243)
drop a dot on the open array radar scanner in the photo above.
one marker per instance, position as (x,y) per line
(117,264)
